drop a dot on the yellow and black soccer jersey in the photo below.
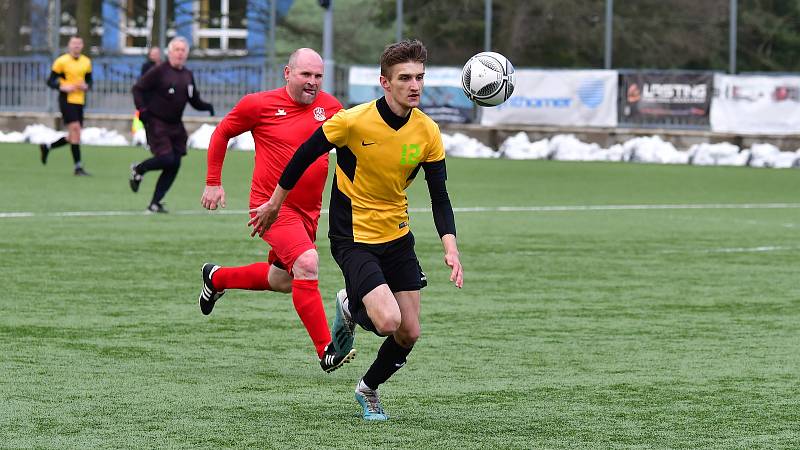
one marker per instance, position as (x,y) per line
(375,165)
(70,70)
(378,155)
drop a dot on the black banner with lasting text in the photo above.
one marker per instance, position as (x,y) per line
(667,99)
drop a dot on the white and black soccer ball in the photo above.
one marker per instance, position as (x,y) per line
(488,79)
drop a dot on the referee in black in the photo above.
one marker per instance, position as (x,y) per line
(160,96)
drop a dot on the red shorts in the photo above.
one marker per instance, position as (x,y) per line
(289,237)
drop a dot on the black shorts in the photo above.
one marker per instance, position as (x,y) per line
(70,112)
(165,138)
(367,266)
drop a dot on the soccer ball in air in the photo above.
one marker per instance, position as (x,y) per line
(488,79)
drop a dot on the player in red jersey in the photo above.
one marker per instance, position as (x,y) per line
(280,120)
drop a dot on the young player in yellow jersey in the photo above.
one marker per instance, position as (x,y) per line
(71,77)
(380,147)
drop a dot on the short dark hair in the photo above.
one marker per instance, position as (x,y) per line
(409,50)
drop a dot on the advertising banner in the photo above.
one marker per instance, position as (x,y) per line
(559,97)
(650,98)
(756,104)
(442,98)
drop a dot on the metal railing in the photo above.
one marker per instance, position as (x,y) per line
(220,82)
(22,84)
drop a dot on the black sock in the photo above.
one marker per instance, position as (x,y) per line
(391,357)
(59,143)
(157,163)
(165,180)
(76,154)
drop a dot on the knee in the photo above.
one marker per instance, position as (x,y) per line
(279,280)
(386,323)
(306,267)
(170,161)
(174,162)
(284,286)
(407,338)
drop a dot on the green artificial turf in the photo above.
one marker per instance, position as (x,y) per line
(576,328)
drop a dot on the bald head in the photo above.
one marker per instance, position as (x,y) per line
(303,74)
(303,55)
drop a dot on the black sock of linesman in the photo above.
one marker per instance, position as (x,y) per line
(391,357)
(76,154)
(59,143)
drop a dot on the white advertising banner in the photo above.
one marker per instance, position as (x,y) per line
(559,97)
(442,99)
(750,104)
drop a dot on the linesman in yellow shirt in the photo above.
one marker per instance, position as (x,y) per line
(71,76)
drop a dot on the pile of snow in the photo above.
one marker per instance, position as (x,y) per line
(102,136)
(244,141)
(786,160)
(201,137)
(12,136)
(767,155)
(566,147)
(139,138)
(463,146)
(40,134)
(720,154)
(653,149)
(519,147)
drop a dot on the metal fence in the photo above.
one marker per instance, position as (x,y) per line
(22,86)
(220,82)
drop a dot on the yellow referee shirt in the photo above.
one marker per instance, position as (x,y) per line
(378,155)
(71,71)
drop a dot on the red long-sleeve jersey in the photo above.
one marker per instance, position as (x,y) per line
(279,125)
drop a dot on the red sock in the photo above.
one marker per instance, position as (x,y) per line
(252,277)
(308,303)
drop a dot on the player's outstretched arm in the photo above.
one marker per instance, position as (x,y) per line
(213,197)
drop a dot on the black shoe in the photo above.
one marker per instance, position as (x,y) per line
(44,151)
(79,172)
(208,295)
(331,360)
(135,179)
(157,208)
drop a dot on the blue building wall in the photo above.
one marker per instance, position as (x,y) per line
(257,19)
(40,24)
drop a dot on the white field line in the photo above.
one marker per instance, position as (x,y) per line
(475,209)
(761,249)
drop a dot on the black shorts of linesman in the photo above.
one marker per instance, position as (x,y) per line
(380,147)
(160,96)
